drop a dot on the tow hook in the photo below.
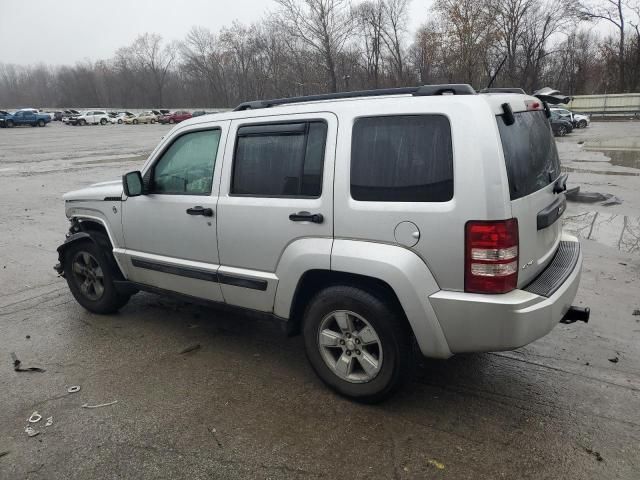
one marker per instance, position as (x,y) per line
(575,314)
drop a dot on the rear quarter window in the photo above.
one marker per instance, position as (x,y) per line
(403,158)
(530,153)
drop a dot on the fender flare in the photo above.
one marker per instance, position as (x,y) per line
(70,240)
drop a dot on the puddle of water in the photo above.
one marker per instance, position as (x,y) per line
(614,230)
(620,157)
(599,172)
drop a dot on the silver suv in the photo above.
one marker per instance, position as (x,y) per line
(368,221)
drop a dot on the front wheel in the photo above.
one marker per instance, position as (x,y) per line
(357,343)
(582,124)
(562,131)
(119,121)
(172,121)
(82,122)
(103,121)
(10,124)
(153,121)
(41,123)
(90,276)
(135,122)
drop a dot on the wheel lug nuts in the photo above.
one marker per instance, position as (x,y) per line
(341,342)
(348,335)
(349,353)
(357,352)
(358,341)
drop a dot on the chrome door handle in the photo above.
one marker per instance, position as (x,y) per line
(205,212)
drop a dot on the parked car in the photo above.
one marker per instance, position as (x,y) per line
(577,120)
(145,117)
(560,124)
(199,113)
(90,117)
(3,113)
(368,225)
(175,117)
(26,117)
(68,114)
(119,117)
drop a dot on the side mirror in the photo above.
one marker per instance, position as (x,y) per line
(132,184)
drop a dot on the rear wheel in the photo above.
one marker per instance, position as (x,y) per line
(41,123)
(103,121)
(135,122)
(90,275)
(119,121)
(153,121)
(357,343)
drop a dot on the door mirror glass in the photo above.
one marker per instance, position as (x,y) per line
(132,184)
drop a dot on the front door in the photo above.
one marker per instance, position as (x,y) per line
(170,232)
(276,190)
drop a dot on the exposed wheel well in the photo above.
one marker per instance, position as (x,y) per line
(315,280)
(100,235)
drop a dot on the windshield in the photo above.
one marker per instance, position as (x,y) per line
(530,153)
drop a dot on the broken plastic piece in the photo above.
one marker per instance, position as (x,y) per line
(191,348)
(35,417)
(31,431)
(86,405)
(18,368)
(73,389)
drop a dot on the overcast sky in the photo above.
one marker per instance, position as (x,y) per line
(65,31)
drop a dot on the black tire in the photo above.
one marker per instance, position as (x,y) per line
(172,121)
(103,121)
(41,123)
(389,325)
(82,122)
(119,121)
(135,122)
(110,300)
(152,121)
(10,124)
(582,124)
(562,131)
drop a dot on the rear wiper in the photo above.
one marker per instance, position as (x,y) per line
(561,183)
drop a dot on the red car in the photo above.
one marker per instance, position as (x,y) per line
(175,117)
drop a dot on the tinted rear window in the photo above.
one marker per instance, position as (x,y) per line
(530,153)
(405,158)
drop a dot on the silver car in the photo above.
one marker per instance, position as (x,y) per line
(369,222)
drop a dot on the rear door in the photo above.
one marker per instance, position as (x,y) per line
(276,189)
(533,167)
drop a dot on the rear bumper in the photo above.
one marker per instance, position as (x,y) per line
(483,323)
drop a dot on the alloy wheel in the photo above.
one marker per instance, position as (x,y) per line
(88,275)
(350,346)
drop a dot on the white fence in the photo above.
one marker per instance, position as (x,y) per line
(607,104)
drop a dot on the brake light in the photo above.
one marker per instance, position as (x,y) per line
(491,256)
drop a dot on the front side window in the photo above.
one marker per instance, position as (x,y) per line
(404,158)
(279,160)
(186,167)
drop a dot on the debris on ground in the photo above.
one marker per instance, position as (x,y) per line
(49,422)
(636,311)
(437,464)
(213,432)
(575,195)
(594,453)
(31,431)
(27,337)
(73,389)
(34,418)
(6,452)
(614,360)
(86,405)
(18,368)
(191,348)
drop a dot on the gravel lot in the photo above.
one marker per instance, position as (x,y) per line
(247,405)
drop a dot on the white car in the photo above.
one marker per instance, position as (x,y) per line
(90,117)
(578,120)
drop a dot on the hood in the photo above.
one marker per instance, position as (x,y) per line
(97,191)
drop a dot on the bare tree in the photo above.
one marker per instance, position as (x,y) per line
(393,29)
(613,12)
(323,26)
(369,17)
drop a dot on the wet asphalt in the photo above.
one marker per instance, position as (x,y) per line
(243,402)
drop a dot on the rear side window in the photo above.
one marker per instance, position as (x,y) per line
(529,152)
(405,158)
(279,160)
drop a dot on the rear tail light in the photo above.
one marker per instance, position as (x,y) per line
(491,256)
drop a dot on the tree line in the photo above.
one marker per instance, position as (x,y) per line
(316,46)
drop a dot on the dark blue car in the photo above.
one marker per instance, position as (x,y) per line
(25,117)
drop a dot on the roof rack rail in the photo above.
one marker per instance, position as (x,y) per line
(425,90)
(503,90)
